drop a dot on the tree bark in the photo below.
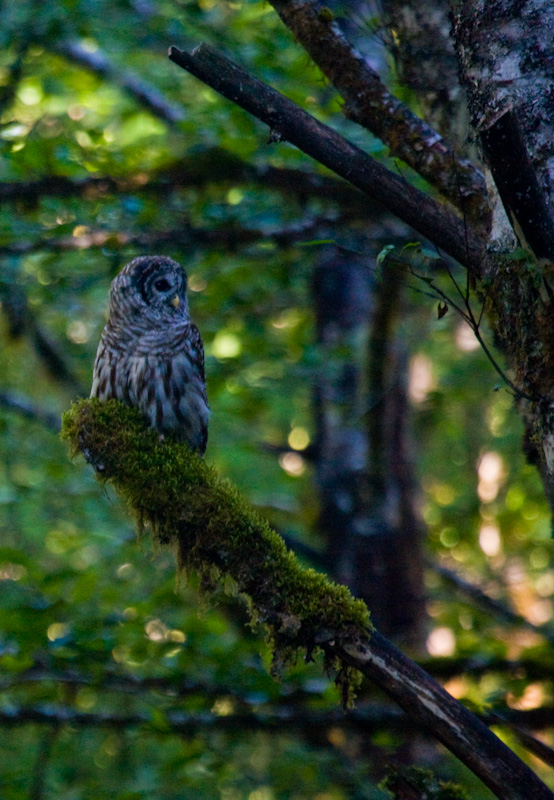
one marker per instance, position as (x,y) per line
(363,474)
(506,65)
(342,293)
(504,51)
(418,37)
(390,558)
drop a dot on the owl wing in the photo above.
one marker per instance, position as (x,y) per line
(198,346)
(184,385)
(104,374)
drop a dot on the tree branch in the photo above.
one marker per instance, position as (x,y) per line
(214,165)
(369,103)
(216,534)
(186,235)
(31,411)
(307,723)
(288,121)
(22,322)
(287,718)
(445,667)
(490,604)
(146,95)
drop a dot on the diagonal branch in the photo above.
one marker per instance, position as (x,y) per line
(489,604)
(29,410)
(369,103)
(216,534)
(145,94)
(288,121)
(22,322)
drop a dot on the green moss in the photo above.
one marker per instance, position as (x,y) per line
(415,781)
(214,532)
(325,14)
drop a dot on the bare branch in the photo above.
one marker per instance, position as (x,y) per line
(186,235)
(289,122)
(368,719)
(286,717)
(450,722)
(145,94)
(22,322)
(446,667)
(213,166)
(369,103)
(29,410)
(535,746)
(490,604)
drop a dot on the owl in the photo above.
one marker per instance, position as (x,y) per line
(151,355)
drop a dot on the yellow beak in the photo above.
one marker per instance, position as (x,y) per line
(175,301)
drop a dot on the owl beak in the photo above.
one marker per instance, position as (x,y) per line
(176,301)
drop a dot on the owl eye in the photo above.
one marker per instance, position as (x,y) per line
(162,285)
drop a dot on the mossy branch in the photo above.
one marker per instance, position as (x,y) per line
(215,533)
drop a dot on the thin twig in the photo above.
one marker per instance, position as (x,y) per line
(466,315)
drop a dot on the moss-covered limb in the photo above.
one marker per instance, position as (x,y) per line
(215,533)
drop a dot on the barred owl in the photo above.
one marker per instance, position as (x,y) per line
(151,354)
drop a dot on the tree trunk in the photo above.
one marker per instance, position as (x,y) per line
(363,473)
(504,51)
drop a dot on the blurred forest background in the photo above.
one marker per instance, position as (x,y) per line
(365,423)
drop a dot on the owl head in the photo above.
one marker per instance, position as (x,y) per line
(151,287)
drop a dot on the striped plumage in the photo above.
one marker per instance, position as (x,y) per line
(151,355)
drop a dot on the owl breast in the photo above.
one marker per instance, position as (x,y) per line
(163,379)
